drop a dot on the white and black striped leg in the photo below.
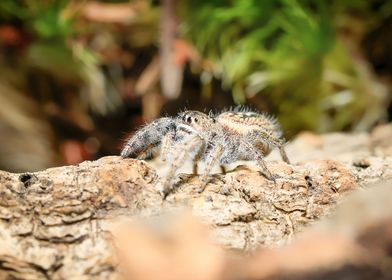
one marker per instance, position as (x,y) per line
(212,158)
(284,155)
(192,145)
(259,157)
(195,161)
(167,146)
(148,153)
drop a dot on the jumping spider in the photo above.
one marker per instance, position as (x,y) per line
(238,134)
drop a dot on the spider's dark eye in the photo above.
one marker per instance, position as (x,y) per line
(196,120)
(189,120)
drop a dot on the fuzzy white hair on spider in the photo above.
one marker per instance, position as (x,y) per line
(223,138)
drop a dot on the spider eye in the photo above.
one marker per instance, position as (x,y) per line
(196,120)
(189,120)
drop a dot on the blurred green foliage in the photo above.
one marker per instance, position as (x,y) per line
(285,55)
(50,29)
(48,74)
(43,18)
(288,53)
(66,64)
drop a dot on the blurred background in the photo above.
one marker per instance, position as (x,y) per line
(77,76)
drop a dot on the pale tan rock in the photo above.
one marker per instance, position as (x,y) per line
(56,223)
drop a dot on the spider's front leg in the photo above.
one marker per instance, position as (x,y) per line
(192,146)
(212,158)
(167,146)
(148,137)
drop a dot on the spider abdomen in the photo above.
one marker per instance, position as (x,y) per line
(245,122)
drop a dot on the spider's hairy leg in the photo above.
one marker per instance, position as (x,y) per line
(212,158)
(283,154)
(192,146)
(148,154)
(259,157)
(148,137)
(167,145)
(268,137)
(196,159)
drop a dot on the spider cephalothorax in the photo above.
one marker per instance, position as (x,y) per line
(222,138)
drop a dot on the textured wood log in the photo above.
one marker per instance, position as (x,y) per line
(55,224)
(354,243)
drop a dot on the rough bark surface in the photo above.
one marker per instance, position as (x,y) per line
(54,224)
